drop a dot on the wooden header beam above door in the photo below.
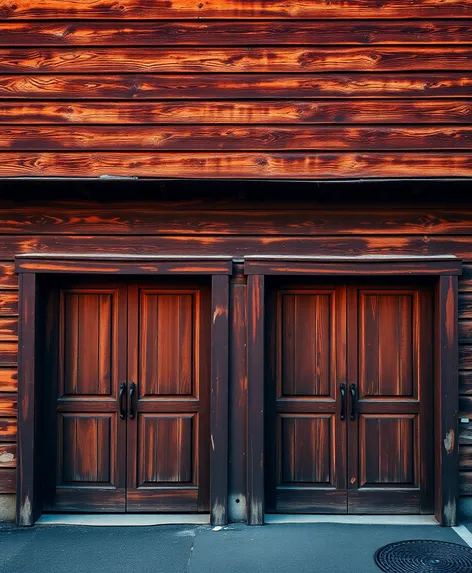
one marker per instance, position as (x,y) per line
(371,265)
(123,264)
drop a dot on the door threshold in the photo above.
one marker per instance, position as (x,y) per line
(353,519)
(119,520)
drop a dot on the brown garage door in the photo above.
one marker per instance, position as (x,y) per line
(349,399)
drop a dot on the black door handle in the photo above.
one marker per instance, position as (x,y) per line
(121,400)
(342,389)
(352,389)
(132,400)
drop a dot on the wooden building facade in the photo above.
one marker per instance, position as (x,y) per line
(236,257)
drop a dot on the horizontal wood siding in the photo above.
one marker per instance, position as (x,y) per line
(234,228)
(237,89)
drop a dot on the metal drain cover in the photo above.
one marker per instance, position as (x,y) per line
(424,557)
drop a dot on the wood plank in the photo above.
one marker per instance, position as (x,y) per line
(27,504)
(237,112)
(237,165)
(9,329)
(8,353)
(237,246)
(181,9)
(233,138)
(465,380)
(7,456)
(465,357)
(234,32)
(465,331)
(446,402)
(231,86)
(8,278)
(219,404)
(255,400)
(8,303)
(465,407)
(237,417)
(465,281)
(8,404)
(7,480)
(242,59)
(8,429)
(151,218)
(8,380)
(465,306)
(465,434)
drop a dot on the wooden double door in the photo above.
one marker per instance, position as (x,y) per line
(349,398)
(127,398)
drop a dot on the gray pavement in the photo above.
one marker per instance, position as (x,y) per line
(288,548)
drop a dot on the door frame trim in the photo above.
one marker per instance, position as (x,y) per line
(445,269)
(29,267)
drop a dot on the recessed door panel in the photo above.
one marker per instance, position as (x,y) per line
(390,366)
(305,437)
(168,435)
(166,349)
(167,446)
(90,439)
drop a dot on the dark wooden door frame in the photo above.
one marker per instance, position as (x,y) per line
(30,267)
(444,270)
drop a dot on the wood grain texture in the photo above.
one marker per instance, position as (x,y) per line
(77,218)
(233,32)
(181,9)
(237,246)
(446,401)
(8,303)
(9,378)
(233,86)
(8,431)
(27,505)
(7,480)
(241,59)
(8,278)
(237,165)
(263,112)
(255,399)
(234,138)
(219,406)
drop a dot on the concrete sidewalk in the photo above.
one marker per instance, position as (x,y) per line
(287,548)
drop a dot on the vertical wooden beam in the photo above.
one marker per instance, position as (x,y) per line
(255,361)
(237,486)
(219,399)
(446,470)
(25,496)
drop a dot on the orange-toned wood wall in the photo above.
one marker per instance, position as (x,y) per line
(320,220)
(236,88)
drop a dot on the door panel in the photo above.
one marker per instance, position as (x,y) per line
(390,361)
(168,440)
(90,437)
(306,345)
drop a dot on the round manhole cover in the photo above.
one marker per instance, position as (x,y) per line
(424,557)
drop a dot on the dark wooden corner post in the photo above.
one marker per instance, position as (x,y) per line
(446,402)
(444,270)
(29,267)
(26,504)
